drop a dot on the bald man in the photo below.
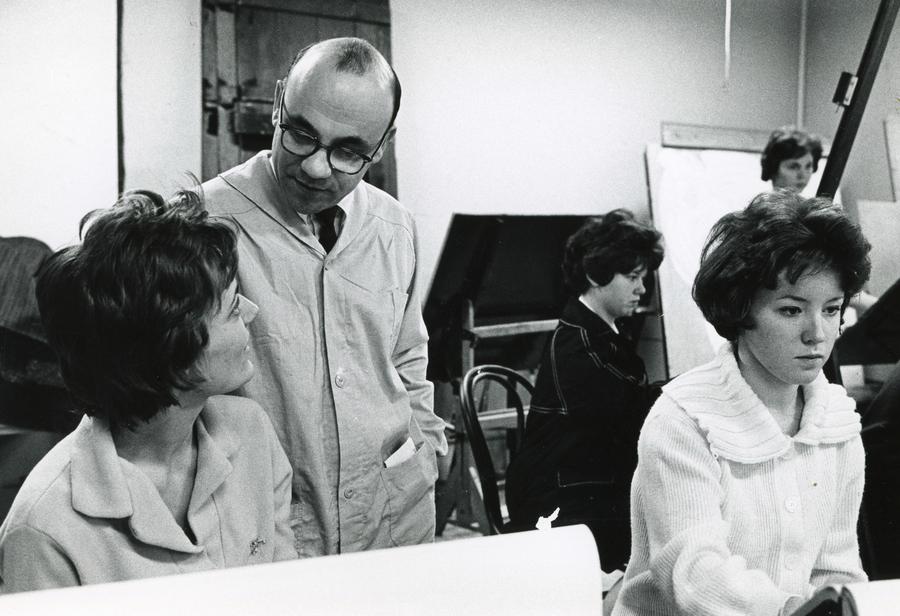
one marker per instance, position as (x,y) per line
(339,343)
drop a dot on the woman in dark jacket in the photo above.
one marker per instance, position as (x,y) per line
(591,393)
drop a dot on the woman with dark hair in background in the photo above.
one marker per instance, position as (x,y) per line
(750,473)
(165,474)
(591,393)
(790,158)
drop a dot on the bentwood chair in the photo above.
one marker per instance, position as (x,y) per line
(474,417)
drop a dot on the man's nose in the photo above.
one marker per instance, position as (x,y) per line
(316,165)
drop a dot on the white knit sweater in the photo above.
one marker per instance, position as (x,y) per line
(731,516)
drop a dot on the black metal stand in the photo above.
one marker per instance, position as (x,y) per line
(849,124)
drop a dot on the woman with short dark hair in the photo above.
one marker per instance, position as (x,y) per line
(591,393)
(750,474)
(166,474)
(790,158)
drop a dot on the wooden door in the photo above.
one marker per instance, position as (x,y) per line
(248,45)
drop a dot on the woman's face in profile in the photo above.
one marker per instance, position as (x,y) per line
(795,326)
(620,297)
(225,363)
(794,173)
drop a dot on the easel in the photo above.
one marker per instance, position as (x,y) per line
(497,280)
(850,120)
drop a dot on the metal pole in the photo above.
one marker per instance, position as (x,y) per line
(801,66)
(868,69)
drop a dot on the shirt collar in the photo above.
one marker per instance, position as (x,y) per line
(738,426)
(107,486)
(256,181)
(579,314)
(346,206)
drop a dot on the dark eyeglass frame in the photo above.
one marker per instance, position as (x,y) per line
(285,127)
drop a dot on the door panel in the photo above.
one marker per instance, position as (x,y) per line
(249,45)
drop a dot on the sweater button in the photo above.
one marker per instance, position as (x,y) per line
(791,505)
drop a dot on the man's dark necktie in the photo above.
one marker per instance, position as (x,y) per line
(327,234)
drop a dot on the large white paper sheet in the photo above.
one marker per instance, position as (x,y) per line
(689,191)
(555,571)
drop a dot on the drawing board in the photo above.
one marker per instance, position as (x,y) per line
(690,189)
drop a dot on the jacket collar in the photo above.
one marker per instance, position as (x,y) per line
(256,180)
(739,427)
(107,486)
(576,313)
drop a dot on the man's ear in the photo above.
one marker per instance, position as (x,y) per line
(276,104)
(390,135)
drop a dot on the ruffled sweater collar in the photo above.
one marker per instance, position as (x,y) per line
(739,427)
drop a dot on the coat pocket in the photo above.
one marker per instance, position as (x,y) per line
(410,495)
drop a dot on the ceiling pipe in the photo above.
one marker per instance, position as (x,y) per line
(801,66)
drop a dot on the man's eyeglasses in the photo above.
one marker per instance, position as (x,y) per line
(301,143)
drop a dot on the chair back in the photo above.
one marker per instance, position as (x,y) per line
(484,465)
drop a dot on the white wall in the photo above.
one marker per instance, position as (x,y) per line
(517,106)
(57,115)
(58,122)
(161,93)
(526,106)
(509,106)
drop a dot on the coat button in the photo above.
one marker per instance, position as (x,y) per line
(348,493)
(339,380)
(791,505)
